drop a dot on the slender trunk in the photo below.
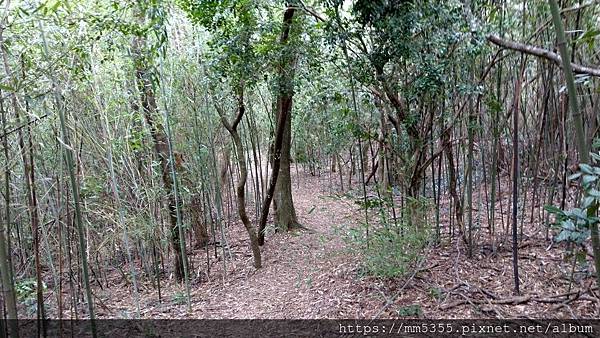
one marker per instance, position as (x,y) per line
(8,289)
(515,175)
(241,185)
(276,163)
(149,109)
(361,150)
(30,187)
(457,201)
(68,156)
(121,211)
(469,188)
(576,113)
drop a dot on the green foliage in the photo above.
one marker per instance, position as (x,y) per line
(25,292)
(436,293)
(135,139)
(25,289)
(416,210)
(589,37)
(234,43)
(373,202)
(391,251)
(92,187)
(410,311)
(493,104)
(574,225)
(393,23)
(179,298)
(209,13)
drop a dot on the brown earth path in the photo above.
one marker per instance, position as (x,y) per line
(314,274)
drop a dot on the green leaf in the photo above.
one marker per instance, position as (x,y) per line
(581,256)
(590,33)
(587,179)
(574,176)
(562,236)
(553,210)
(53,5)
(7,88)
(579,213)
(587,201)
(568,225)
(586,168)
(594,193)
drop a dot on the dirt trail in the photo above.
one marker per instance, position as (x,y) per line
(305,274)
(302,270)
(314,275)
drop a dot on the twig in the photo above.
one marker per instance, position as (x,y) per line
(22,126)
(393,298)
(505,301)
(566,302)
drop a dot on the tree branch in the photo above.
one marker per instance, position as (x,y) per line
(312,12)
(22,126)
(540,52)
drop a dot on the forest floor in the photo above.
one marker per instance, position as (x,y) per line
(317,274)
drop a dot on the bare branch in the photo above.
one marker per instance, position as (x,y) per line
(540,52)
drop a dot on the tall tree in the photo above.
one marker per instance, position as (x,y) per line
(27,152)
(243,167)
(8,287)
(582,144)
(149,108)
(284,203)
(234,26)
(68,151)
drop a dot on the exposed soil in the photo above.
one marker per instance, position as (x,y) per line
(317,274)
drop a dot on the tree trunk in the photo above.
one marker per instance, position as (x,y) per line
(198,223)
(458,210)
(27,151)
(576,114)
(8,290)
(159,138)
(285,212)
(241,185)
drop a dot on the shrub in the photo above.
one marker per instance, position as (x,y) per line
(390,251)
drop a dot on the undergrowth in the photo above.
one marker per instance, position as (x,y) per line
(390,248)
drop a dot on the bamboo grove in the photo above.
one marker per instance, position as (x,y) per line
(137,135)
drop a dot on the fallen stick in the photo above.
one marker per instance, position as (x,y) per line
(505,301)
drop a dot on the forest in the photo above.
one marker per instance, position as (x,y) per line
(301,159)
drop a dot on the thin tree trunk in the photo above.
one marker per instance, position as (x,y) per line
(241,185)
(469,186)
(576,113)
(8,289)
(149,109)
(457,201)
(515,175)
(30,187)
(68,156)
